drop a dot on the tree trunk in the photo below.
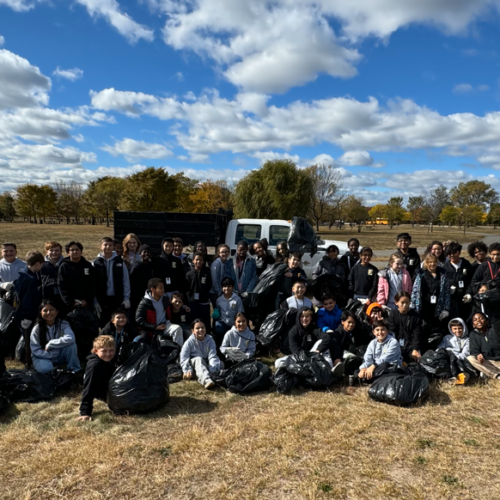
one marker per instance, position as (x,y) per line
(107,218)
(359,228)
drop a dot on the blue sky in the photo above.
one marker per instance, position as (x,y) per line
(400,96)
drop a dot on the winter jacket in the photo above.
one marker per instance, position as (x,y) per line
(29,290)
(98,373)
(348,260)
(76,281)
(407,330)
(328,320)
(384,284)
(487,344)
(411,260)
(140,274)
(349,341)
(194,348)
(48,275)
(112,278)
(293,302)
(486,272)
(456,277)
(329,266)
(219,271)
(171,271)
(420,290)
(199,284)
(146,315)
(246,281)
(244,341)
(229,308)
(10,271)
(180,317)
(387,351)
(127,335)
(59,335)
(459,346)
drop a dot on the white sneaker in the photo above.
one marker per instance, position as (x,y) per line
(452,380)
(209,384)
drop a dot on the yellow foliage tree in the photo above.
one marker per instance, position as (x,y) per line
(209,196)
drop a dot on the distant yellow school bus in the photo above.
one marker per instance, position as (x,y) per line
(378,222)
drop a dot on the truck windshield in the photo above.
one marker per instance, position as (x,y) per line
(248,232)
(277,234)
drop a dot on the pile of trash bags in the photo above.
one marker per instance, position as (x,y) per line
(276,327)
(301,237)
(401,388)
(247,376)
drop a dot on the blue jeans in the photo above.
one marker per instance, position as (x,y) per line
(65,355)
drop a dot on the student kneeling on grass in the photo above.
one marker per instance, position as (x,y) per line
(384,348)
(151,315)
(298,298)
(239,342)
(305,336)
(52,341)
(228,305)
(98,373)
(199,356)
(457,344)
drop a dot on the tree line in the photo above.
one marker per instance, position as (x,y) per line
(278,190)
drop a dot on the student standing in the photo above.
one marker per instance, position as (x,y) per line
(263,258)
(391,280)
(478,251)
(10,265)
(363,278)
(489,270)
(48,273)
(435,248)
(410,257)
(219,269)
(170,269)
(113,283)
(330,264)
(243,269)
(351,257)
(131,245)
(229,304)
(199,283)
(281,252)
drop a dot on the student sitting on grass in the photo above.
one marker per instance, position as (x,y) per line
(329,315)
(457,344)
(98,373)
(298,298)
(199,356)
(384,348)
(239,342)
(52,341)
(151,315)
(229,304)
(120,329)
(404,323)
(179,314)
(363,278)
(485,346)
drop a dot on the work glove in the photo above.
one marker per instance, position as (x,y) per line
(444,315)
(26,323)
(126,304)
(386,308)
(363,301)
(467,298)
(235,355)
(7,285)
(453,289)
(98,308)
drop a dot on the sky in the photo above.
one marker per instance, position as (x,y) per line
(399,96)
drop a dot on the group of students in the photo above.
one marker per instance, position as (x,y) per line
(197,303)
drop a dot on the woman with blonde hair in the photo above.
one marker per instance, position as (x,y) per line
(392,280)
(131,255)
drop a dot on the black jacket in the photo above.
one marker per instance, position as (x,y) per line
(95,382)
(406,327)
(140,274)
(455,278)
(145,316)
(77,281)
(199,283)
(348,260)
(172,271)
(130,332)
(262,264)
(350,341)
(486,344)
(411,260)
(179,318)
(485,272)
(48,275)
(102,278)
(363,280)
(29,290)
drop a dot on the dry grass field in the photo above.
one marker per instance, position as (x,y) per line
(217,445)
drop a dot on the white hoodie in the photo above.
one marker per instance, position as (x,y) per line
(10,271)
(459,346)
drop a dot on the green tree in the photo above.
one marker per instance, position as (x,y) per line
(34,201)
(7,207)
(278,190)
(494,215)
(355,211)
(326,186)
(70,200)
(450,215)
(435,202)
(103,196)
(377,212)
(415,206)
(473,193)
(394,210)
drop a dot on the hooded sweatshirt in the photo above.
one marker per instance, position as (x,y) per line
(76,281)
(49,278)
(59,335)
(29,290)
(329,266)
(459,346)
(111,284)
(229,308)
(244,341)
(151,313)
(172,271)
(10,271)
(303,339)
(194,348)
(387,351)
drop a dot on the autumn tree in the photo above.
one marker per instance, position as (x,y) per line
(394,211)
(209,196)
(494,215)
(70,200)
(103,196)
(326,186)
(278,190)
(435,202)
(415,206)
(473,193)
(35,202)
(355,211)
(378,212)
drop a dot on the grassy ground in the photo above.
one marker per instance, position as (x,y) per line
(217,445)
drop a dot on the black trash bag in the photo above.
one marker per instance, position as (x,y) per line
(290,318)
(268,279)
(434,339)
(4,402)
(9,329)
(125,352)
(491,302)
(21,350)
(174,373)
(327,284)
(400,389)
(65,380)
(85,326)
(140,385)
(27,386)
(301,237)
(285,381)
(436,363)
(248,376)
(312,370)
(168,350)
(461,366)
(272,326)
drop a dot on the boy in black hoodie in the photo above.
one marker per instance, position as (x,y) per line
(410,257)
(172,271)
(489,271)
(120,329)
(100,369)
(363,278)
(351,257)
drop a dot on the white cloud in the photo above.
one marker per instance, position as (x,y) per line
(124,24)
(463,88)
(483,88)
(21,84)
(133,150)
(356,158)
(20,5)
(179,76)
(264,156)
(69,74)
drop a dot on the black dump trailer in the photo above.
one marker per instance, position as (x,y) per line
(152,227)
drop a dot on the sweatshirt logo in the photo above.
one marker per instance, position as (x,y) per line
(174,264)
(86,271)
(204,279)
(370,272)
(119,265)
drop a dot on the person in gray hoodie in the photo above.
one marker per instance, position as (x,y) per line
(239,342)
(228,305)
(199,356)
(10,265)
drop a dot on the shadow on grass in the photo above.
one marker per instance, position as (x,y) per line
(10,414)
(182,405)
